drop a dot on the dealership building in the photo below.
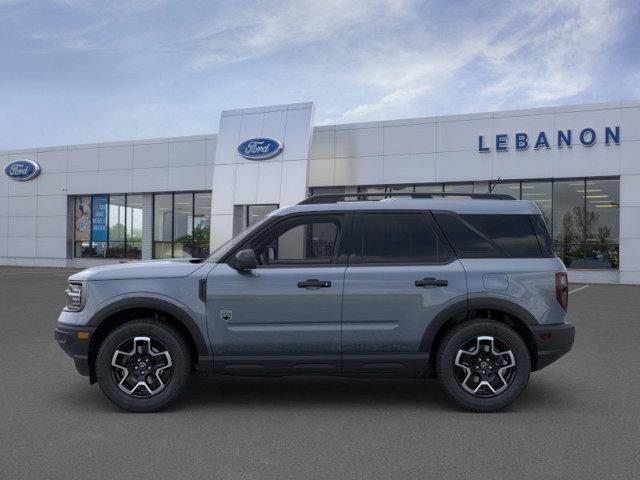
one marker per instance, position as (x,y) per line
(82,205)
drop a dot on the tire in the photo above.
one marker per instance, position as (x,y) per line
(143,365)
(472,375)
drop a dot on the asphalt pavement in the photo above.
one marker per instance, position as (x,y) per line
(578,418)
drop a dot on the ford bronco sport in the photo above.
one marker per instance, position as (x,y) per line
(467,289)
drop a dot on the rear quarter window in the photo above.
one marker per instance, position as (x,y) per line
(492,236)
(513,234)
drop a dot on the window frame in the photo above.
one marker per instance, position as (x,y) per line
(357,233)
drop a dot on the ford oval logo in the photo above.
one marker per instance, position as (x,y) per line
(260,148)
(22,170)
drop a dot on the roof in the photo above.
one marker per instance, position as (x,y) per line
(461,205)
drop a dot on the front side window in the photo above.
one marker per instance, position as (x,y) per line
(302,241)
(400,238)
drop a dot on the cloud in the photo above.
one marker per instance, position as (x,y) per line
(290,23)
(541,53)
(124,69)
(552,61)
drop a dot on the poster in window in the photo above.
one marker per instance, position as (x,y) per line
(83,219)
(99,218)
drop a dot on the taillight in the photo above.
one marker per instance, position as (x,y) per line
(562,289)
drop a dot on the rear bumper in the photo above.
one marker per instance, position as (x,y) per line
(552,341)
(75,343)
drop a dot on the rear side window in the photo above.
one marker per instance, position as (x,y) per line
(401,238)
(477,236)
(513,234)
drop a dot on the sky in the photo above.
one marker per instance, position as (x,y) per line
(80,71)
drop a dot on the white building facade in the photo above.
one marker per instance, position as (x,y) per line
(81,205)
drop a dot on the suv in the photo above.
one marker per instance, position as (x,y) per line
(467,289)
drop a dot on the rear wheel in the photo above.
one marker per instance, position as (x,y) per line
(143,365)
(483,365)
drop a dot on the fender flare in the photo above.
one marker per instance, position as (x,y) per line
(465,306)
(154,303)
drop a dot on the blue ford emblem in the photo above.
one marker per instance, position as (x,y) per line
(260,148)
(22,170)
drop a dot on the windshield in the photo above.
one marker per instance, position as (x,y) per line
(230,244)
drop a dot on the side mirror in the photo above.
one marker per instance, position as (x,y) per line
(245,260)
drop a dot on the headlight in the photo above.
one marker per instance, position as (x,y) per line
(74,297)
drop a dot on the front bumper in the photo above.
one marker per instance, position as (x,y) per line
(75,342)
(552,342)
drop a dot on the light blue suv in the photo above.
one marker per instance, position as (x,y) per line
(465,288)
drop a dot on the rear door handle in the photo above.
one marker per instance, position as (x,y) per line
(313,282)
(431,282)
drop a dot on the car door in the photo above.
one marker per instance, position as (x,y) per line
(401,274)
(285,314)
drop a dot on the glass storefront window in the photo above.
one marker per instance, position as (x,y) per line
(458,188)
(256,212)
(201,224)
(373,189)
(162,225)
(82,226)
(116,226)
(540,192)
(436,188)
(134,226)
(182,224)
(400,188)
(569,221)
(106,226)
(320,190)
(603,223)
(506,188)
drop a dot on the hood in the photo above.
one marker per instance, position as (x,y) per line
(133,270)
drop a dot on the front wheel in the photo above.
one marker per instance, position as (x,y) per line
(483,365)
(143,366)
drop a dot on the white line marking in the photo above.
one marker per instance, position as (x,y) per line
(578,289)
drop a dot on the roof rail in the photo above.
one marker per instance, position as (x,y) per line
(346,197)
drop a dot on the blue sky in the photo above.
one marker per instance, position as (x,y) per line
(77,71)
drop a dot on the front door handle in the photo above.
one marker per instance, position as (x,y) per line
(313,282)
(431,282)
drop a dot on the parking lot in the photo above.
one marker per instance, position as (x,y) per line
(579,418)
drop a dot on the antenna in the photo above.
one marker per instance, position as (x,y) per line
(494,185)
